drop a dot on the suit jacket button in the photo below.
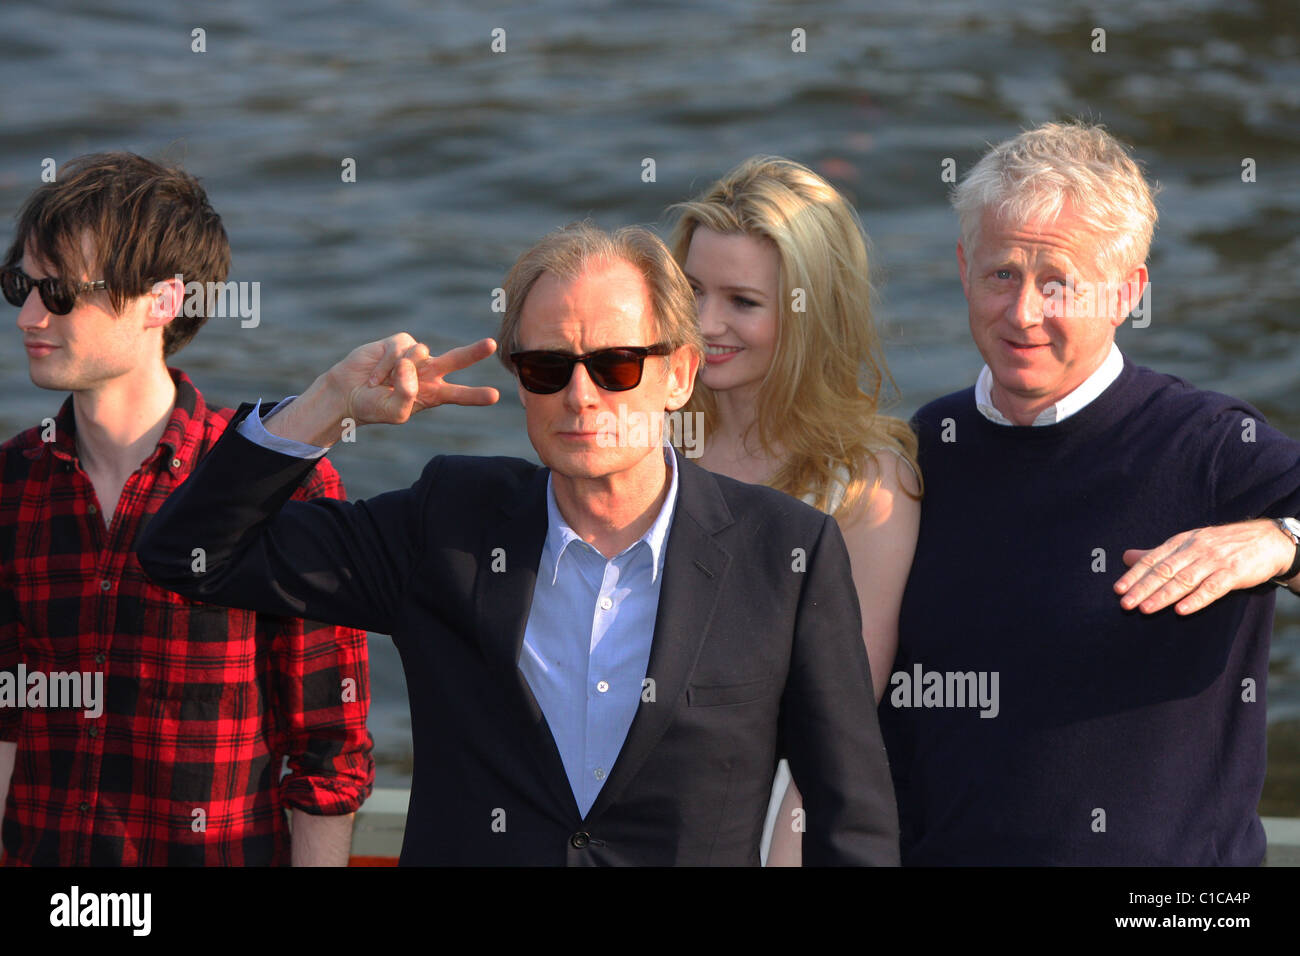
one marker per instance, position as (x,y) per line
(579,840)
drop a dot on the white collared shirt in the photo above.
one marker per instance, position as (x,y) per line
(1076,401)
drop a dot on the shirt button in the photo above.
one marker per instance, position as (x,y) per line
(83,807)
(100,658)
(579,840)
(606,603)
(603,686)
(105,584)
(92,509)
(600,773)
(93,731)
(176,462)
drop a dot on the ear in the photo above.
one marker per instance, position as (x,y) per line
(166,300)
(961,269)
(1129,294)
(683,364)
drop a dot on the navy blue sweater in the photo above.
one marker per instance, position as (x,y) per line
(1116,737)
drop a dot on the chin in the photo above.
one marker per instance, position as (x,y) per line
(722,379)
(595,462)
(47,378)
(1019,380)
(579,463)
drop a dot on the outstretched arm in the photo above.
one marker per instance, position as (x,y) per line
(230,536)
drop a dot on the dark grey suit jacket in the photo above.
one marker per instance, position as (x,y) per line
(757,653)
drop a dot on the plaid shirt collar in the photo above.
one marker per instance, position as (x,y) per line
(178,446)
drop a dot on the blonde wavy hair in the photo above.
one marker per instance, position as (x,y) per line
(820,400)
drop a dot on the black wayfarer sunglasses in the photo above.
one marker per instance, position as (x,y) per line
(59,295)
(615,370)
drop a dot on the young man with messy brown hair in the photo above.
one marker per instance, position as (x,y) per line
(171,751)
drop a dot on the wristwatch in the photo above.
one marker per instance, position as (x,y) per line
(1291,528)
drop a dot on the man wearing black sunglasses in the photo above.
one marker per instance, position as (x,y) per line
(178,761)
(607,655)
(57,295)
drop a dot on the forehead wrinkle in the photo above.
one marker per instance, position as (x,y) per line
(577,316)
(1065,232)
(1046,247)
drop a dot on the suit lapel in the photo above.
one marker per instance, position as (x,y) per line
(694,568)
(502,600)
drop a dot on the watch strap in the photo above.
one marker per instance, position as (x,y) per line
(1292,571)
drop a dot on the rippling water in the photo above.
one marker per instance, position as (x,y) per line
(464,156)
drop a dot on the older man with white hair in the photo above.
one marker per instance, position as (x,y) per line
(1129,722)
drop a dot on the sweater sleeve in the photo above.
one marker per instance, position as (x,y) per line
(1256,469)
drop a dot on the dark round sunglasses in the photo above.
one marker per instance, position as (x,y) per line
(614,370)
(59,295)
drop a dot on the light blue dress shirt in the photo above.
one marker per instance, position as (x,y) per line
(587,640)
(587,643)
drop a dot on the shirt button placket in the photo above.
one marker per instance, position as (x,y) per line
(93,752)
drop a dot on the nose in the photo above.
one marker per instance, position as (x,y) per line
(33,314)
(581,392)
(1028,308)
(711,325)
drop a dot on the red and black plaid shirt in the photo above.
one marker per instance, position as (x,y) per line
(201,704)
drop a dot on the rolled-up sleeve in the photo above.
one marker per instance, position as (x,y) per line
(322,690)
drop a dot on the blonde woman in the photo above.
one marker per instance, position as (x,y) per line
(791,388)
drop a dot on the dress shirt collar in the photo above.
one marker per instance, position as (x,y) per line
(178,446)
(1076,401)
(559,535)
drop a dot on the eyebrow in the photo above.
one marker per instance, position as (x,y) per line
(1051,265)
(600,348)
(729,288)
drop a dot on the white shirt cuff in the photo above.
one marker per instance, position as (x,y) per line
(253,429)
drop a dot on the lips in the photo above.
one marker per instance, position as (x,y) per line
(38,349)
(578,433)
(717,354)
